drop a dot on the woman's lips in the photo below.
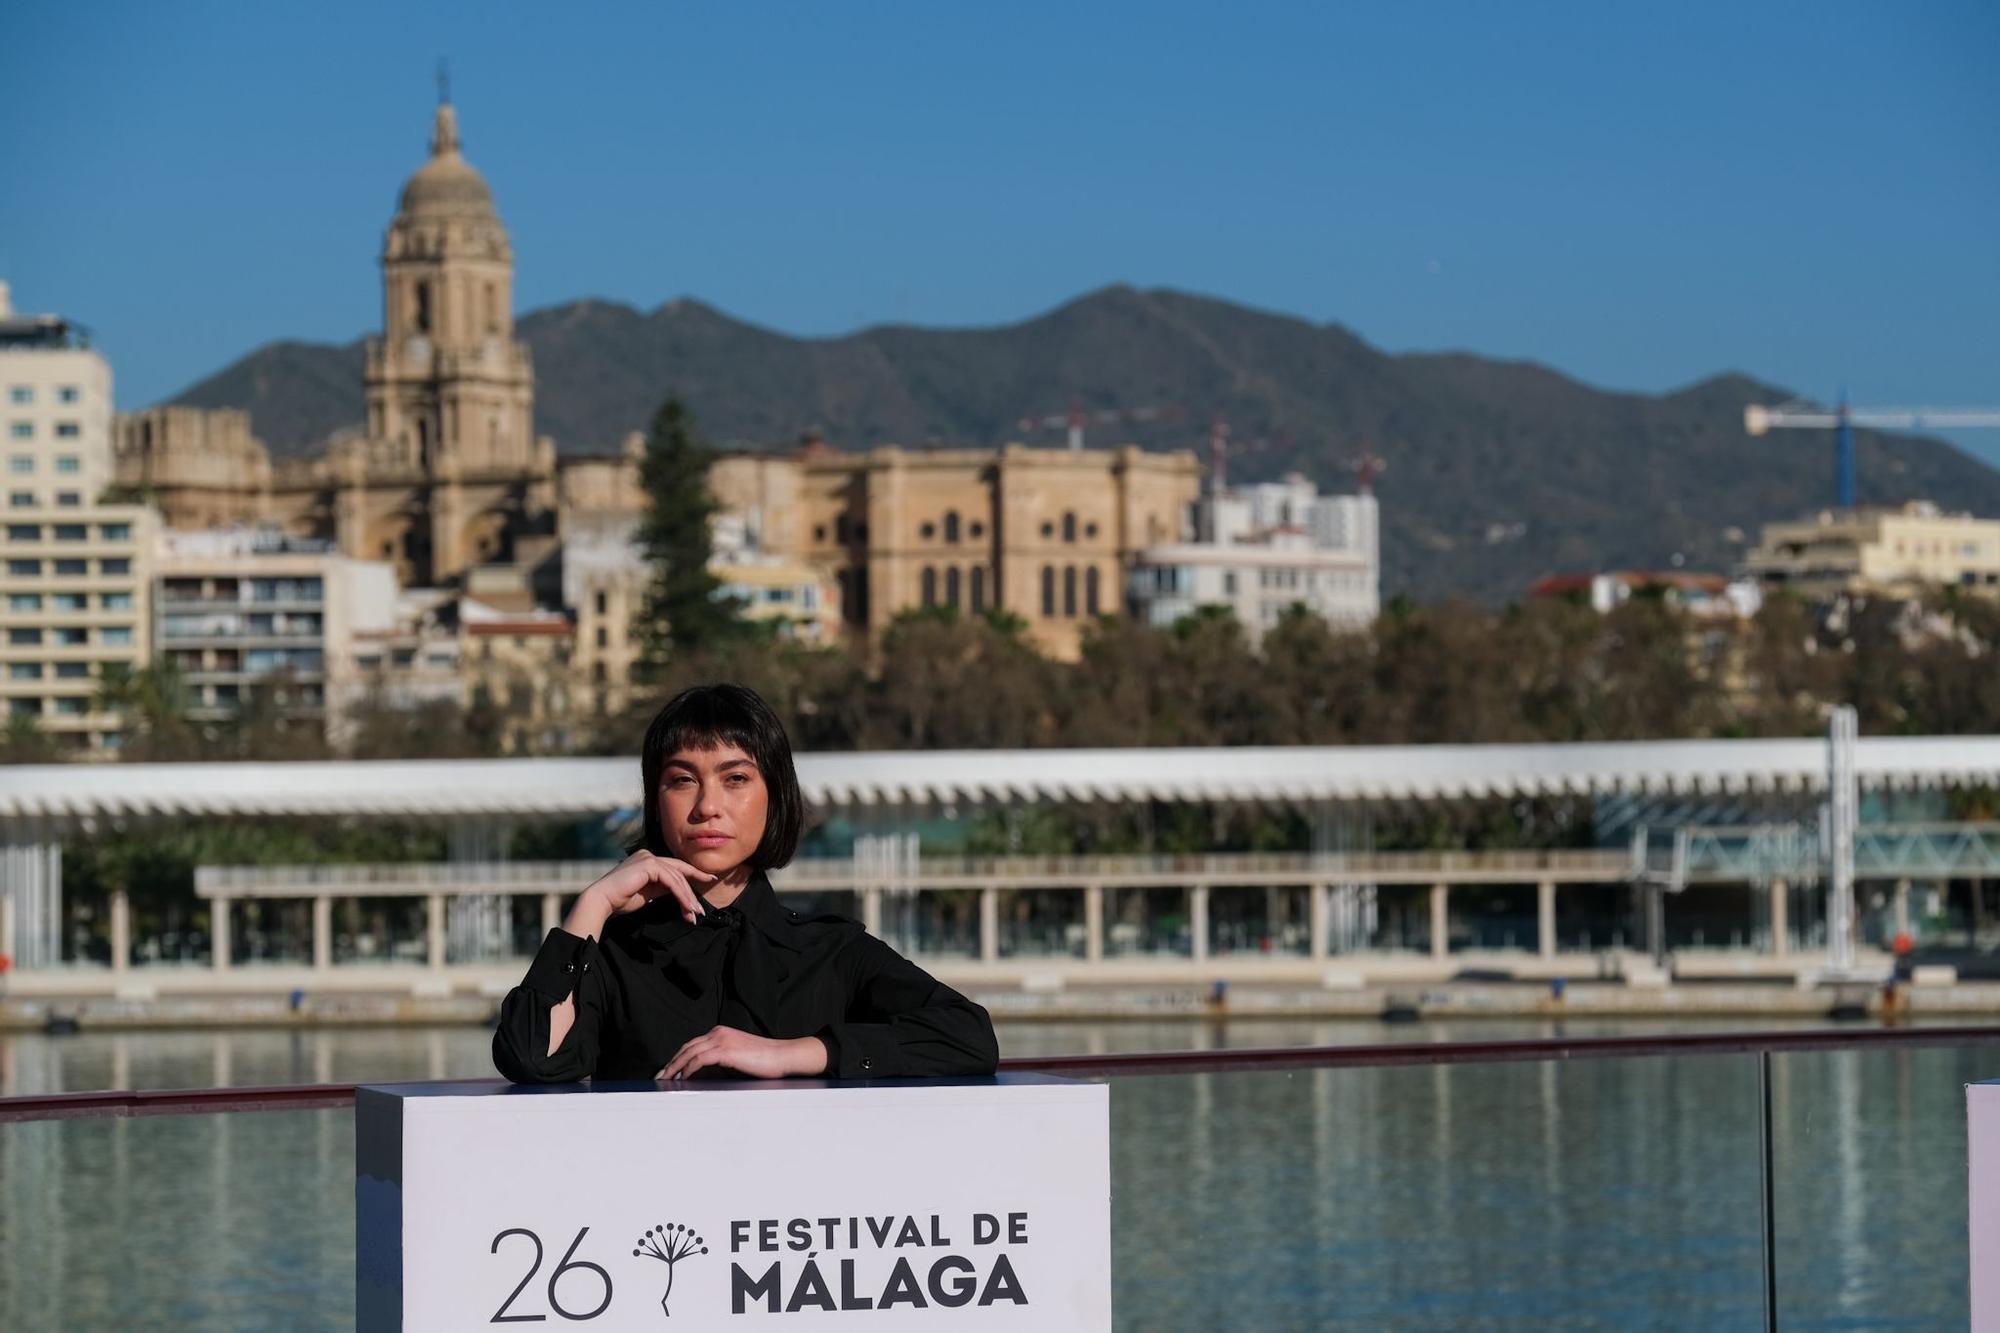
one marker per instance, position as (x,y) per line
(709,839)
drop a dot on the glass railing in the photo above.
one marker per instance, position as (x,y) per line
(1434,1181)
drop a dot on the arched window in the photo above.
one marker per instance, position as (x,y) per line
(1048,590)
(929,581)
(1090,591)
(951,587)
(978,589)
(423,310)
(840,528)
(1069,527)
(1069,590)
(951,525)
(492,309)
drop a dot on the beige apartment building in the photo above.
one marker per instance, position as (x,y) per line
(1892,552)
(237,607)
(75,574)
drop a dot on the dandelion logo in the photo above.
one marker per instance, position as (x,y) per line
(670,1245)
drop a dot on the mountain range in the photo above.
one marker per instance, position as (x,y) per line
(1495,472)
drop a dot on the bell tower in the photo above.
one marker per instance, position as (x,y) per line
(450,392)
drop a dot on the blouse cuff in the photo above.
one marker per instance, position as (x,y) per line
(862,1050)
(559,965)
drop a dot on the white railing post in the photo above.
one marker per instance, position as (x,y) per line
(1198,922)
(218,932)
(322,909)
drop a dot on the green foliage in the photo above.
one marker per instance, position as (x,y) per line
(24,742)
(683,608)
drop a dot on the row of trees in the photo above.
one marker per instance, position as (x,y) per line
(1455,672)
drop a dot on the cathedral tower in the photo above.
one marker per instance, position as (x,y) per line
(450,392)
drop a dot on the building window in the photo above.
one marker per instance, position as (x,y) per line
(23,638)
(1090,530)
(1090,591)
(21,499)
(74,532)
(112,532)
(25,707)
(21,395)
(120,636)
(928,582)
(22,430)
(423,311)
(24,671)
(67,567)
(1048,590)
(927,531)
(68,463)
(72,638)
(117,601)
(1069,527)
(1069,590)
(951,587)
(951,525)
(69,601)
(840,533)
(978,589)
(116,565)
(603,637)
(24,601)
(1229,582)
(603,602)
(68,430)
(19,568)
(72,671)
(24,532)
(69,499)
(68,393)
(21,465)
(69,706)
(1048,529)
(977,529)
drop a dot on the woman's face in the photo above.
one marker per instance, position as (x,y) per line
(712,806)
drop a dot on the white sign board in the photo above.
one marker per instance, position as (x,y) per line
(938,1204)
(1982,1137)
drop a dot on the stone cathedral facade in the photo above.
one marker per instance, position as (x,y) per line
(447,472)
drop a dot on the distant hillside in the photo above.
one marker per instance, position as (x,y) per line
(1498,472)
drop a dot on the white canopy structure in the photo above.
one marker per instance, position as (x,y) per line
(55,797)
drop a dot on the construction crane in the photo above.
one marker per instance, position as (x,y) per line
(1797,415)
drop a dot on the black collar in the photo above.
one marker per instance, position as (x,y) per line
(660,921)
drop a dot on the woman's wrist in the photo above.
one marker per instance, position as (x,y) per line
(587,914)
(812,1057)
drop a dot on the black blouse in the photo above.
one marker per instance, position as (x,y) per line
(655,981)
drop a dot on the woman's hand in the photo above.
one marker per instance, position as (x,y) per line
(636,881)
(759,1057)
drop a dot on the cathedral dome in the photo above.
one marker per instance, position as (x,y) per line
(446,186)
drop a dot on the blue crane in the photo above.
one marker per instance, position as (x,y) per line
(1799,415)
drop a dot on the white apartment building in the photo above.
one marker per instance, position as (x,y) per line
(1259,550)
(74,574)
(237,606)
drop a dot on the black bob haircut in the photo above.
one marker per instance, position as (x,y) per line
(704,718)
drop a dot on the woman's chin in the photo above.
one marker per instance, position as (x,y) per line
(718,860)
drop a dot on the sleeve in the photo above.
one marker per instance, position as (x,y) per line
(901,1022)
(564,965)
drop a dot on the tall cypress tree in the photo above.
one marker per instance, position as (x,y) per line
(683,608)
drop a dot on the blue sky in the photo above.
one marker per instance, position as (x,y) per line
(1637,195)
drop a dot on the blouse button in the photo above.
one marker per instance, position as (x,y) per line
(586,967)
(866,1064)
(569,967)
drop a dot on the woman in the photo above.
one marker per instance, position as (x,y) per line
(682,960)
